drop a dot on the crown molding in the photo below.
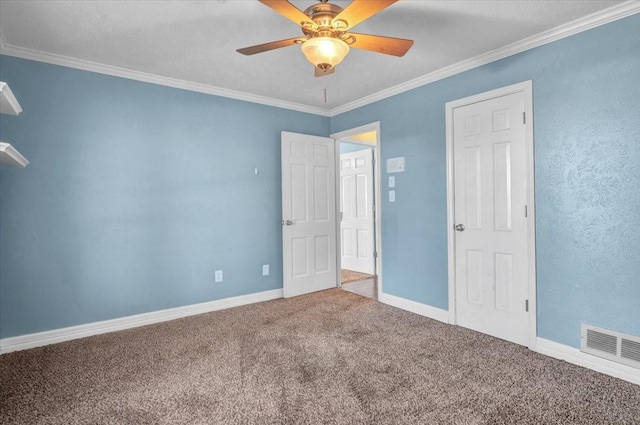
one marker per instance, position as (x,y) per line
(602,17)
(3,42)
(54,59)
(588,22)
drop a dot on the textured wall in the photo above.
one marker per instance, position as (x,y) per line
(135,195)
(587,152)
(588,184)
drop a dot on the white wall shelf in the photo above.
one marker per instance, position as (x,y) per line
(8,103)
(8,155)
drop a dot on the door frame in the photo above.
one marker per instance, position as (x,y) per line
(526,88)
(377,194)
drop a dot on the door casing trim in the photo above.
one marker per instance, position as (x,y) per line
(526,88)
(340,136)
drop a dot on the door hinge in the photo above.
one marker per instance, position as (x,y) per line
(375,254)
(340,215)
(524,118)
(526,306)
(526,211)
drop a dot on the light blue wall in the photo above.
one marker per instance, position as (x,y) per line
(352,147)
(587,150)
(135,195)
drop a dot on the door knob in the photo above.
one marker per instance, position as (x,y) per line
(460,227)
(288,222)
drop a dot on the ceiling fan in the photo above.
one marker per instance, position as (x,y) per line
(327,39)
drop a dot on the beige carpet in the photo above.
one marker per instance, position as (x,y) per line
(330,357)
(352,276)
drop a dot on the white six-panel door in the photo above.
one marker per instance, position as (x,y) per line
(356,205)
(491,192)
(308,213)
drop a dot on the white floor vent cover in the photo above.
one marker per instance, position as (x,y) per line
(611,345)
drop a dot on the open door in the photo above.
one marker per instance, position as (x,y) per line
(357,208)
(308,214)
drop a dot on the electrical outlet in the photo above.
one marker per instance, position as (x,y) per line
(265,270)
(218,276)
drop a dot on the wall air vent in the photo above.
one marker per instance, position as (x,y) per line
(611,345)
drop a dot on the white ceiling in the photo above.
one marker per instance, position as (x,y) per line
(195,41)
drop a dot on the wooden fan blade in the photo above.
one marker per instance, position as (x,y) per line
(359,10)
(270,46)
(288,10)
(380,44)
(320,73)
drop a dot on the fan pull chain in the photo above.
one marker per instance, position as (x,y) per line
(325,95)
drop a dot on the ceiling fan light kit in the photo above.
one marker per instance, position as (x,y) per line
(325,52)
(326,42)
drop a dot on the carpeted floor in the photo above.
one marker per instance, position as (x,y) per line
(330,357)
(351,276)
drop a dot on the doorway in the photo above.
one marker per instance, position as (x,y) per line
(357,204)
(311,242)
(491,213)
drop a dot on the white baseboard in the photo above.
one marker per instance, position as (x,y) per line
(415,307)
(40,339)
(543,346)
(577,357)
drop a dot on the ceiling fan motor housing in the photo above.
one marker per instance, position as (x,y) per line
(322,15)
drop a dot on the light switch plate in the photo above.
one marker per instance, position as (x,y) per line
(392,196)
(265,270)
(392,181)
